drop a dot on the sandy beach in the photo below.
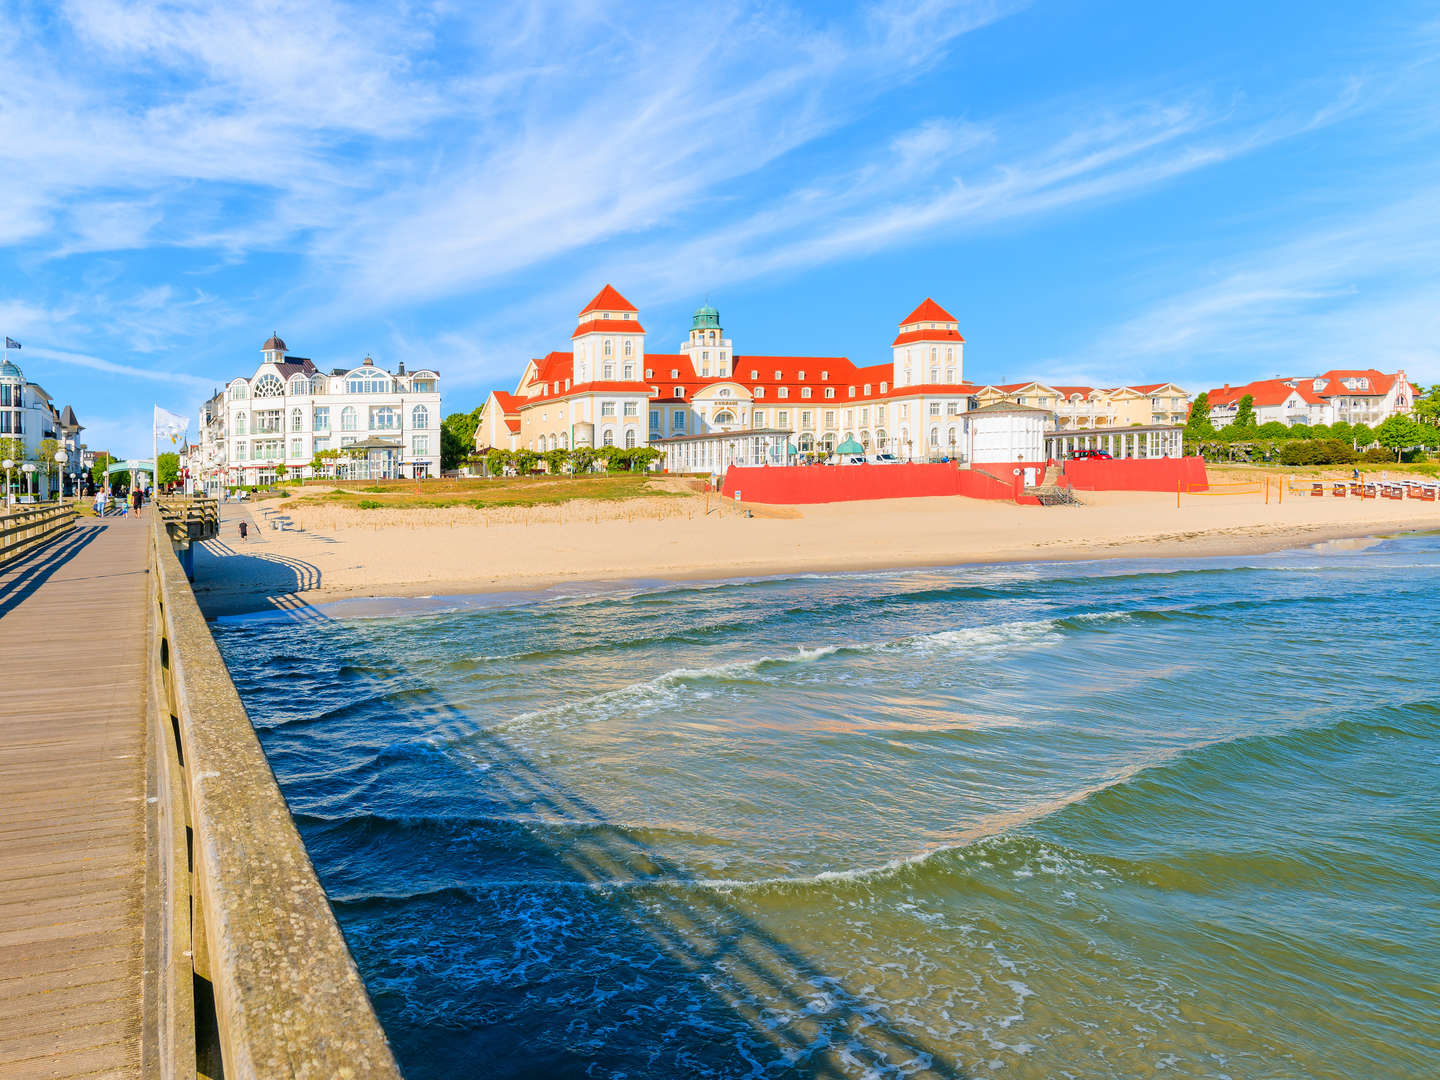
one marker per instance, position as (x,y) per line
(331,553)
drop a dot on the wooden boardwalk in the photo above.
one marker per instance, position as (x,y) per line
(72,804)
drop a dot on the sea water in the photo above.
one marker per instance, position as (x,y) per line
(1122,818)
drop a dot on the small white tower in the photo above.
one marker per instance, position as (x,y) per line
(707,346)
(929,350)
(609,342)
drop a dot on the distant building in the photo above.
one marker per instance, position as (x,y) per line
(29,416)
(1089,407)
(288,411)
(1354,397)
(609,390)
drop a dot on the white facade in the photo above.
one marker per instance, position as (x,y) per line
(1007,433)
(28,416)
(289,411)
(1367,397)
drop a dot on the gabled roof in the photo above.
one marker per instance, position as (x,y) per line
(908,336)
(507,401)
(607,299)
(928,311)
(67,417)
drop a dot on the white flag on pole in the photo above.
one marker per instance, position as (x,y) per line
(170,426)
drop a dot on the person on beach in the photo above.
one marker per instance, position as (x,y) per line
(244,529)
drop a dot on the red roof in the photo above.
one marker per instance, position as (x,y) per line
(507,401)
(513,423)
(1380,383)
(928,311)
(1266,392)
(608,326)
(927,335)
(607,299)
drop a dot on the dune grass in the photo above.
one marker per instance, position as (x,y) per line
(482,494)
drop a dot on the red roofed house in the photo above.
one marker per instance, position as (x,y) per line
(1354,397)
(608,390)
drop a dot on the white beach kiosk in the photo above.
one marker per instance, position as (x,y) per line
(1008,434)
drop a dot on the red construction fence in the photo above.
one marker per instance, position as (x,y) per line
(1137,474)
(801,484)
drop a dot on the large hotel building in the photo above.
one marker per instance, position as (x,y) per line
(608,389)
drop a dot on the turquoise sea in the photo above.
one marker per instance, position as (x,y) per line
(1108,819)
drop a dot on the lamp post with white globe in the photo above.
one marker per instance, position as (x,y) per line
(61,456)
(29,470)
(9,464)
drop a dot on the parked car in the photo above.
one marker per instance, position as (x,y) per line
(1098,455)
(882,459)
(850,459)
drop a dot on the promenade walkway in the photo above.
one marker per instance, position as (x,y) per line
(72,804)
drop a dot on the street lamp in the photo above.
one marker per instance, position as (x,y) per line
(29,470)
(8,464)
(60,458)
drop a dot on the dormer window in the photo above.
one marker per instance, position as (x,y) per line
(754,374)
(779,375)
(805,391)
(884,387)
(783,392)
(800,374)
(830,392)
(679,391)
(852,391)
(674,373)
(759,391)
(649,373)
(824,376)
(867,389)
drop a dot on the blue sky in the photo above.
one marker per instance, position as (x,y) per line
(1100,192)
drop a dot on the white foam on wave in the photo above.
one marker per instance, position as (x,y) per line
(667,689)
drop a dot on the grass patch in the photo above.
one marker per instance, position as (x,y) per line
(483,494)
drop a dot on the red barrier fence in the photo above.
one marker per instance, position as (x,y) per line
(1137,474)
(854,483)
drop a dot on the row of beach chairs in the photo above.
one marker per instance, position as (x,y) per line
(1424,490)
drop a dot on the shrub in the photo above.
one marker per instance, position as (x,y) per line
(1377,455)
(1316,452)
(370,504)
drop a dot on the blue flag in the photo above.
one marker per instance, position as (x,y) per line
(11,343)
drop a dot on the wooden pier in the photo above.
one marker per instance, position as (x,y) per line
(72,803)
(159,915)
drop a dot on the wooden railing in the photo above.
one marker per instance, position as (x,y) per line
(189,517)
(248,975)
(23,530)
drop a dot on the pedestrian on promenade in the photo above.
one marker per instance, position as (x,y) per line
(137,498)
(244,528)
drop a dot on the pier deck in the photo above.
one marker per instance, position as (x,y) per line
(72,804)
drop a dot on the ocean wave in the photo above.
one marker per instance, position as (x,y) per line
(667,689)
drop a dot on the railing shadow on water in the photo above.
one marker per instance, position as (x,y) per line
(23,576)
(795,1019)
(275,579)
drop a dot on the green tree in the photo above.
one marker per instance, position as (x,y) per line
(97,470)
(497,460)
(1198,427)
(1245,414)
(642,457)
(454,446)
(1398,433)
(1427,404)
(168,466)
(582,459)
(1274,429)
(1362,435)
(12,448)
(45,456)
(1338,430)
(525,461)
(556,460)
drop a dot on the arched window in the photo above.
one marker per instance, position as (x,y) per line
(297,419)
(725,416)
(629,348)
(952,438)
(934,353)
(268,386)
(949,374)
(347,418)
(420,417)
(629,372)
(607,437)
(242,424)
(630,439)
(608,347)
(949,355)
(934,437)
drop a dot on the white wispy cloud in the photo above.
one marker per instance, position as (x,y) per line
(111,367)
(1363,290)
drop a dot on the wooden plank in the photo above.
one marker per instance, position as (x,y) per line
(72,840)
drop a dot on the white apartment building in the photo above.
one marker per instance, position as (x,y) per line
(386,424)
(1367,397)
(28,416)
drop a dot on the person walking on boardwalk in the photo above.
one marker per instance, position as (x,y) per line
(137,499)
(244,528)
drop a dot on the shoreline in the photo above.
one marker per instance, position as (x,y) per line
(233,601)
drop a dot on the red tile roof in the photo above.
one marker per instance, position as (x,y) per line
(927,335)
(928,311)
(607,299)
(507,401)
(608,326)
